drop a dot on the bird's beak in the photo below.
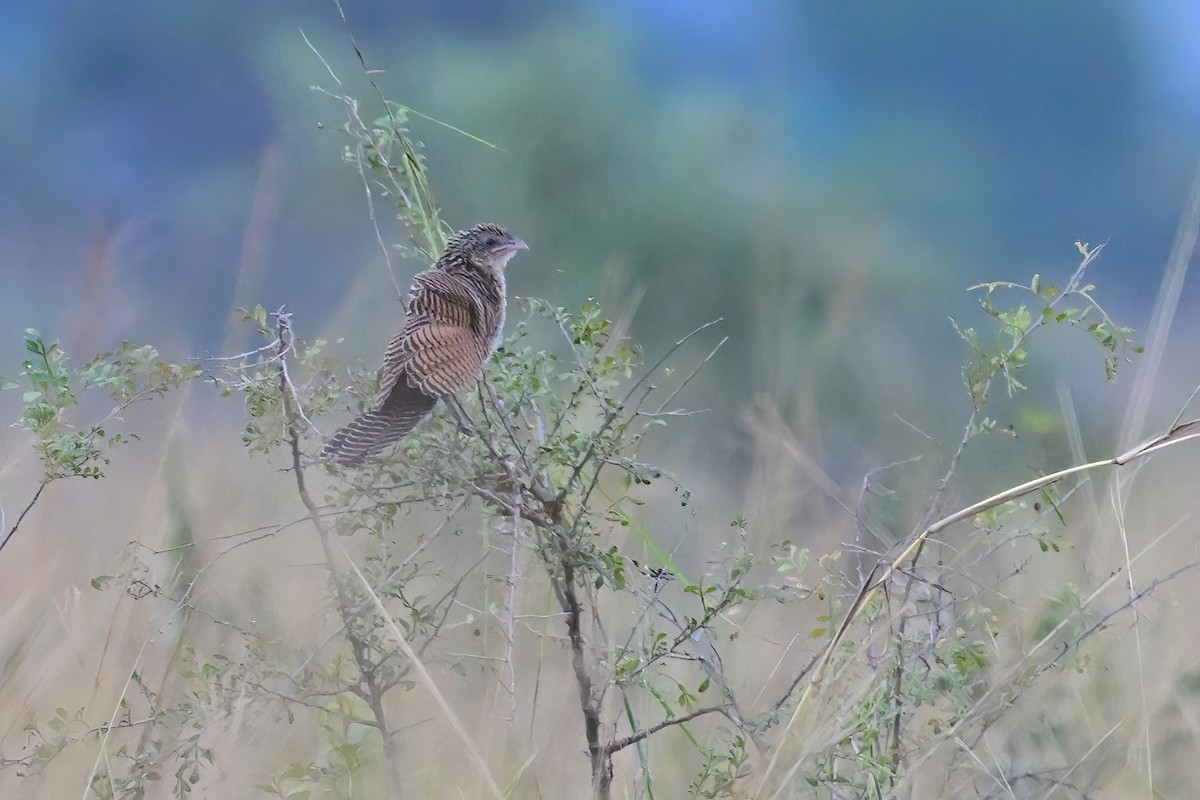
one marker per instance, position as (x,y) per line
(503,252)
(509,247)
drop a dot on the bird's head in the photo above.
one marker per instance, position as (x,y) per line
(486,246)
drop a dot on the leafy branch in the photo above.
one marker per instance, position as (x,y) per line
(129,375)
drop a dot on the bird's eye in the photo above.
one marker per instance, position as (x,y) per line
(489,241)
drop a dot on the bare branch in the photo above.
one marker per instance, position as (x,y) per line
(634,738)
(41,488)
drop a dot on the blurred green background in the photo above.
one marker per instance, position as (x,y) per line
(828,177)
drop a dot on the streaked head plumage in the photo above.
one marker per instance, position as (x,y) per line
(485,246)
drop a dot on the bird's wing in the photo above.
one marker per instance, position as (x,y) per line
(439,349)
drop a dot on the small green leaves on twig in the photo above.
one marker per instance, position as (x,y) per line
(1071,305)
(128,375)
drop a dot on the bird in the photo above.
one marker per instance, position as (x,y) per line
(453,322)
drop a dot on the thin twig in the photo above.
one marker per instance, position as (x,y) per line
(103,751)
(41,487)
(634,738)
(426,679)
(695,371)
(976,408)
(510,603)
(268,347)
(373,690)
(667,355)
(387,257)
(317,53)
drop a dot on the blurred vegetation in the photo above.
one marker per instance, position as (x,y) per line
(795,168)
(826,179)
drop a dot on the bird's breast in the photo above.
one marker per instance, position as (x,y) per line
(498,336)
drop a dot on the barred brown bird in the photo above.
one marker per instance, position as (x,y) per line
(454,319)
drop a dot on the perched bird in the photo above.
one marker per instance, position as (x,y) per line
(453,320)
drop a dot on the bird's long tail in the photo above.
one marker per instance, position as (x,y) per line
(375,430)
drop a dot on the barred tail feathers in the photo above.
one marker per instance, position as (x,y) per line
(404,407)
